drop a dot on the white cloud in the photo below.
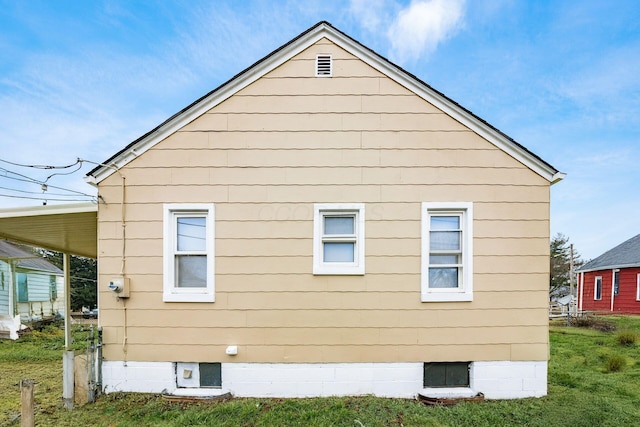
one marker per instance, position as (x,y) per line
(370,13)
(419,28)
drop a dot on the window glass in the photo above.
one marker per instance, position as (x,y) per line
(53,288)
(444,259)
(192,233)
(210,374)
(191,271)
(598,288)
(443,277)
(446,374)
(445,222)
(23,287)
(338,252)
(339,225)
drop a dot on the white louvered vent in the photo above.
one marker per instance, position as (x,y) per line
(323,66)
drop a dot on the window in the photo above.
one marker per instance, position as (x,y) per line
(338,238)
(53,288)
(188,253)
(616,282)
(323,66)
(198,375)
(597,292)
(638,287)
(446,374)
(23,287)
(211,375)
(447,251)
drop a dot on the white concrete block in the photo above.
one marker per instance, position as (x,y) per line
(497,379)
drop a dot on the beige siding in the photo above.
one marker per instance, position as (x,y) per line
(264,156)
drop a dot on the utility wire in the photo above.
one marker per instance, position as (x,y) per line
(36,192)
(93,199)
(41,166)
(9,174)
(30,180)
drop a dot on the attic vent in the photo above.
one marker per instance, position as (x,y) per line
(323,66)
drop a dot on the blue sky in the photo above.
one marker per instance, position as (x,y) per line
(82,79)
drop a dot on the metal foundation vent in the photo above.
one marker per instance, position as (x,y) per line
(323,66)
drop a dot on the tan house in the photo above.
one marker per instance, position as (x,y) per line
(324,223)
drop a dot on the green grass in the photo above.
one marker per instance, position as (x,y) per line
(581,393)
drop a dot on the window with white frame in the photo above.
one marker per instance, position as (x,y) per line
(447,251)
(338,238)
(189,253)
(616,282)
(638,287)
(597,291)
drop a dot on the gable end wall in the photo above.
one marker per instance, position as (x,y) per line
(264,157)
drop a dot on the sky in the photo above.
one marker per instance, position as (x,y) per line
(82,79)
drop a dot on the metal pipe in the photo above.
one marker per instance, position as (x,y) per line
(91,360)
(99,348)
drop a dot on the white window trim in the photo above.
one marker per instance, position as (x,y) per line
(638,287)
(465,292)
(595,288)
(170,292)
(338,268)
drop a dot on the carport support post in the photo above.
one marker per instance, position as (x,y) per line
(67,357)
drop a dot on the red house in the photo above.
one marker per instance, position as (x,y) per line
(611,282)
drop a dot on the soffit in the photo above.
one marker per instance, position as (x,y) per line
(72,229)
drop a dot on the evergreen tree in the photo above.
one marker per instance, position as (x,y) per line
(559,273)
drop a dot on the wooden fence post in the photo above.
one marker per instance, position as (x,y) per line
(26,413)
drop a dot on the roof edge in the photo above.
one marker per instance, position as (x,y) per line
(49,210)
(608,267)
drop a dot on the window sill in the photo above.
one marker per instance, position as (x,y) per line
(319,270)
(447,297)
(188,297)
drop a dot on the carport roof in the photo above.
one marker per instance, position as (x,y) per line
(71,228)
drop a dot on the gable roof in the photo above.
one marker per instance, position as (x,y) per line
(626,254)
(24,259)
(321,30)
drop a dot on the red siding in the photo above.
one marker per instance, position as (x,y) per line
(626,300)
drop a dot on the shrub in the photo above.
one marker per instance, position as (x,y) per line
(627,338)
(615,363)
(593,322)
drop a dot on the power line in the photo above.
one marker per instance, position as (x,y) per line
(73,195)
(41,166)
(47,198)
(24,178)
(35,192)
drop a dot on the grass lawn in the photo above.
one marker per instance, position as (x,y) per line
(594,380)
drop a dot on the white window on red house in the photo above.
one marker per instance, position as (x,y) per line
(597,291)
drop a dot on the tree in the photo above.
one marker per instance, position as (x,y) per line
(83,277)
(559,273)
